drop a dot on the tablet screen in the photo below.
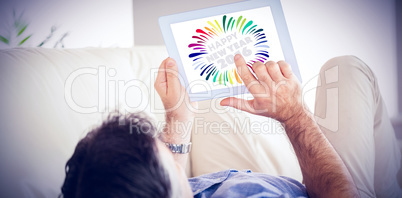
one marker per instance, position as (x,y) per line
(207,46)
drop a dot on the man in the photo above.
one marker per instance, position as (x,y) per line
(118,160)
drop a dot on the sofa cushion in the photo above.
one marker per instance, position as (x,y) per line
(227,138)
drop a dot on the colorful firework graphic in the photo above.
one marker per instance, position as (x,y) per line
(214,46)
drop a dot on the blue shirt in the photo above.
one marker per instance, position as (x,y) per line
(232,183)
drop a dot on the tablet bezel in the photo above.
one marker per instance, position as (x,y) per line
(281,27)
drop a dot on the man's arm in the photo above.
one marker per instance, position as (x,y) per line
(179,114)
(324,173)
(277,94)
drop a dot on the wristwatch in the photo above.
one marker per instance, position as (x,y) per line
(179,148)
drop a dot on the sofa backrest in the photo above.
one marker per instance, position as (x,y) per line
(51,98)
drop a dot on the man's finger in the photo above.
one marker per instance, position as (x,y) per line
(172,76)
(262,73)
(243,70)
(285,69)
(160,81)
(241,104)
(245,74)
(274,71)
(161,76)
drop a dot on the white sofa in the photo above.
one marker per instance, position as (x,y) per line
(50,98)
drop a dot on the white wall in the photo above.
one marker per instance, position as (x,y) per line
(365,28)
(146,14)
(90,23)
(319,29)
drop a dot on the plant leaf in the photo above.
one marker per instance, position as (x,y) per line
(22,30)
(25,39)
(4,40)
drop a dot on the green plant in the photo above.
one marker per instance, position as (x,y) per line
(17,28)
(53,29)
(16,38)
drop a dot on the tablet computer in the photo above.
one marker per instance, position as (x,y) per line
(204,42)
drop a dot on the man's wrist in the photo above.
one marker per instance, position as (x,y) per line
(173,116)
(296,120)
(176,131)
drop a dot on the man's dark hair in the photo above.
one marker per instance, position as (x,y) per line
(119,159)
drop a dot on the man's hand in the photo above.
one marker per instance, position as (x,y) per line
(173,95)
(179,110)
(276,92)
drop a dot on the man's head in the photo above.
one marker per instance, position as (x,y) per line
(122,158)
